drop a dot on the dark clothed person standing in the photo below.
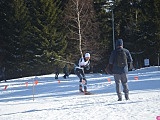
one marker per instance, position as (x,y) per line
(120,71)
(65,71)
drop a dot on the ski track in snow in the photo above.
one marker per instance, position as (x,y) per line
(61,100)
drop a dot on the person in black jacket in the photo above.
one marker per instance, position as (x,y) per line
(56,72)
(65,71)
(119,60)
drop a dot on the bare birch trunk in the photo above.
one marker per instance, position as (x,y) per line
(83,32)
(79,29)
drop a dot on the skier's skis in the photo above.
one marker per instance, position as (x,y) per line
(86,93)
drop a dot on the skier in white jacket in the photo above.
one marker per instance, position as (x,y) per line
(79,71)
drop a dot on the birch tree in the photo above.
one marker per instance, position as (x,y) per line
(82,28)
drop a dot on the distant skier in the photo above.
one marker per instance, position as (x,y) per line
(118,62)
(56,72)
(65,71)
(79,71)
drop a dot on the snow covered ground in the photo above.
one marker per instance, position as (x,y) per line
(50,99)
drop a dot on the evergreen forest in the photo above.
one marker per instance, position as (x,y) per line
(39,36)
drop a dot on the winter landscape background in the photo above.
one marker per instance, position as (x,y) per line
(44,98)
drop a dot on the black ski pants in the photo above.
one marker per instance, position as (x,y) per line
(80,73)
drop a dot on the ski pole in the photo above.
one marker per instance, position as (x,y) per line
(33,90)
(63,61)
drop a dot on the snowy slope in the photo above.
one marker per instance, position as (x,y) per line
(22,99)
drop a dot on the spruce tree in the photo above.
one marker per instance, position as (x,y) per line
(104,16)
(137,23)
(15,23)
(151,29)
(47,40)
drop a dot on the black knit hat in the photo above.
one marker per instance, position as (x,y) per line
(119,42)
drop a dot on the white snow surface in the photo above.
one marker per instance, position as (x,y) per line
(60,99)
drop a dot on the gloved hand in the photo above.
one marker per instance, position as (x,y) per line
(130,66)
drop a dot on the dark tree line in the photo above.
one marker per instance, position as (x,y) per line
(33,33)
(136,22)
